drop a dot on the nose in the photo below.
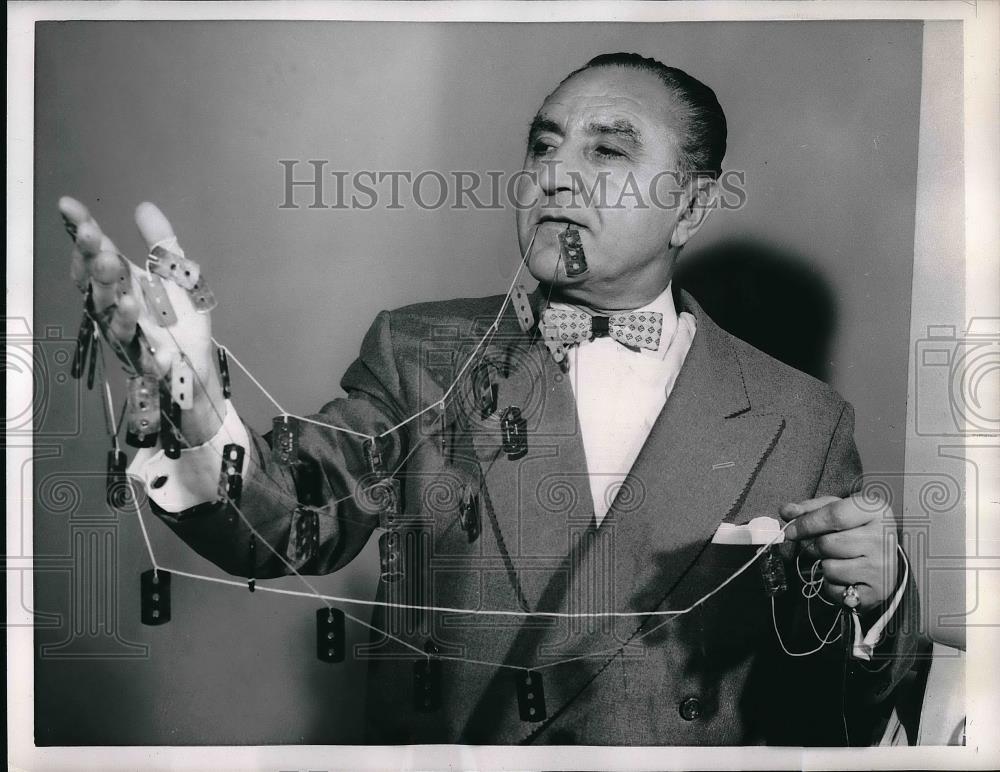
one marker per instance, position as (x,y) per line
(560,172)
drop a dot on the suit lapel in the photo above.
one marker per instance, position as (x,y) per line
(539,501)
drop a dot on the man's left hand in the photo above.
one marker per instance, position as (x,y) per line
(855,538)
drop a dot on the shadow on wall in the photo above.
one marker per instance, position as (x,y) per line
(771,298)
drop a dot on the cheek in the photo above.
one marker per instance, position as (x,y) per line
(634,224)
(630,238)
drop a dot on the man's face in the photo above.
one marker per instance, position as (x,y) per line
(608,130)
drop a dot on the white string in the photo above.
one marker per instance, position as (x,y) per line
(313,591)
(481,612)
(249,375)
(490,612)
(254,532)
(495,612)
(256,535)
(450,657)
(128,478)
(812,587)
(823,642)
(489,333)
(277,487)
(502,612)
(275,402)
(142,524)
(812,624)
(437,404)
(324,598)
(525,258)
(109,403)
(343,429)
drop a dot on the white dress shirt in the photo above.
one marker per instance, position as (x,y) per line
(619,395)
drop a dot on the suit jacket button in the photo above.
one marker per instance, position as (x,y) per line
(690,708)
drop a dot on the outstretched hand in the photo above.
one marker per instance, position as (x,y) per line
(131,326)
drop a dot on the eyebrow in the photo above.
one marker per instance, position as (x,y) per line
(540,125)
(620,128)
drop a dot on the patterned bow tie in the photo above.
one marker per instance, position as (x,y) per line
(562,328)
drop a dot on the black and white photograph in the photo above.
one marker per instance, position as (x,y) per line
(503,385)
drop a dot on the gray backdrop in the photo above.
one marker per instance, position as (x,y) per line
(816,268)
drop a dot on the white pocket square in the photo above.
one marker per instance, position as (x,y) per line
(760,530)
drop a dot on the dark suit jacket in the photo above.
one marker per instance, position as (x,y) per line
(740,434)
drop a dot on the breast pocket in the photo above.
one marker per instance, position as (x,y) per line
(727,589)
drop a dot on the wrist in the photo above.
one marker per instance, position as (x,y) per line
(204,419)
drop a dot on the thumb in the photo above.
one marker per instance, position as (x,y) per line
(796,509)
(153,224)
(157,230)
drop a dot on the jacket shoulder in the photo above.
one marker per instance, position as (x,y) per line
(461,311)
(771,382)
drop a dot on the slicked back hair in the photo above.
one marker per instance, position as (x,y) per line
(703,123)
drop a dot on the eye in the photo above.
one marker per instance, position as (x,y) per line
(606,151)
(540,147)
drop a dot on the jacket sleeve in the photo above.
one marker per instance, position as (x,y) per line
(308,515)
(869,685)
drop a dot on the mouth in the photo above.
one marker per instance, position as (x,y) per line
(559,219)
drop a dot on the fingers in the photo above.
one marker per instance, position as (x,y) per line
(73,213)
(836,515)
(847,571)
(840,544)
(96,263)
(838,575)
(123,321)
(118,297)
(792,510)
(153,224)
(95,257)
(77,269)
(83,228)
(871,581)
(834,593)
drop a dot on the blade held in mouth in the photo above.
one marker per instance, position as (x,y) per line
(571,248)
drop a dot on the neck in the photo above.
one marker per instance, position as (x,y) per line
(600,303)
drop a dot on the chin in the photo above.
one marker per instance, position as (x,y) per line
(548,269)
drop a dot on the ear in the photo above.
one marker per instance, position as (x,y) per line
(699,201)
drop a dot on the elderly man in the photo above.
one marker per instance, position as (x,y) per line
(571,485)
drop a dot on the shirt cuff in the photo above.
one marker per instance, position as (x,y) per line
(192,479)
(864,645)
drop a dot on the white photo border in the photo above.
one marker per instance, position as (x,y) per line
(981,22)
